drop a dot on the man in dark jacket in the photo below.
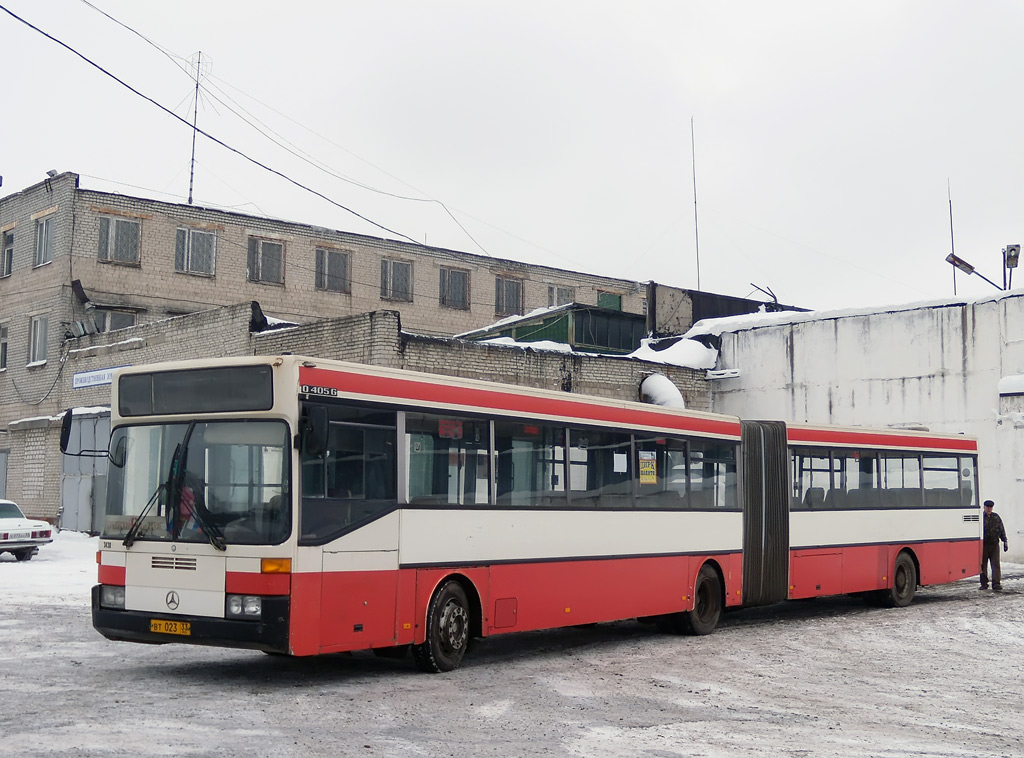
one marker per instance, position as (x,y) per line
(991,536)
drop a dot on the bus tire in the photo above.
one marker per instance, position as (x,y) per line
(447,629)
(707,608)
(904,583)
(707,603)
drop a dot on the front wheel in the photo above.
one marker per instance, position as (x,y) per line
(447,630)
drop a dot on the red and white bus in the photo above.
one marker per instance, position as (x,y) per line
(304,506)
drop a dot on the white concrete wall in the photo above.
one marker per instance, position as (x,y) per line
(935,365)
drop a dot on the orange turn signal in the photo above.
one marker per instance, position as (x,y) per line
(276,566)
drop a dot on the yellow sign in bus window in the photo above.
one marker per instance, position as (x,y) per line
(648,467)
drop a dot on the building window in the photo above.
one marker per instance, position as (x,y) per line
(560,295)
(610,300)
(266,261)
(195,252)
(508,295)
(44,240)
(332,271)
(455,288)
(110,320)
(119,240)
(396,280)
(3,472)
(38,328)
(7,255)
(3,347)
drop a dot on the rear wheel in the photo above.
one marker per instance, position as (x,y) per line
(447,630)
(24,555)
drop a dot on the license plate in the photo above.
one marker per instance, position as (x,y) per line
(19,535)
(163,626)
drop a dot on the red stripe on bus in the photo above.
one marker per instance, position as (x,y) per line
(242,583)
(111,575)
(880,439)
(412,391)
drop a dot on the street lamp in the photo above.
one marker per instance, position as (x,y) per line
(968,269)
(1011,254)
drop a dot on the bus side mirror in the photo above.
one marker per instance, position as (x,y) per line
(65,431)
(313,439)
(119,453)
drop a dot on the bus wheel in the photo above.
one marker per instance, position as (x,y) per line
(904,583)
(447,630)
(707,607)
(707,603)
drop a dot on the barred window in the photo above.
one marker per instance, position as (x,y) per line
(119,240)
(44,240)
(396,280)
(266,261)
(560,295)
(7,255)
(332,271)
(508,295)
(195,252)
(454,288)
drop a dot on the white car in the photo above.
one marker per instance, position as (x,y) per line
(19,535)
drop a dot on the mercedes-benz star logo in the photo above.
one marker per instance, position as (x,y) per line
(172,600)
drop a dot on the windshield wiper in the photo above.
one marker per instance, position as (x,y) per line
(176,484)
(136,527)
(205,520)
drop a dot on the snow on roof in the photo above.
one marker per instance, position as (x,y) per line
(515,319)
(684,352)
(716,326)
(558,347)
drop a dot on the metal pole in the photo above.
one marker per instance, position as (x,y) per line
(195,120)
(696,233)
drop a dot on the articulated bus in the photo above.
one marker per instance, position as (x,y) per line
(303,506)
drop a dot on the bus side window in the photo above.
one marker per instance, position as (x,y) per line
(530,464)
(662,474)
(599,470)
(448,460)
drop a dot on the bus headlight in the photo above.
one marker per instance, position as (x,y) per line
(244,606)
(112,596)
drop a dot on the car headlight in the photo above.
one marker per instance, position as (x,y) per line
(244,606)
(112,596)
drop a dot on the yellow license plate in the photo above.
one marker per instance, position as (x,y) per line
(163,626)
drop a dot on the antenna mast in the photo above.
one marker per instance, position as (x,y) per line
(196,63)
(696,233)
(952,250)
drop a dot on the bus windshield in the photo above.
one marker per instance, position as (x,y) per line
(229,481)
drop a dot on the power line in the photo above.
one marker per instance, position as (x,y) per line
(287,145)
(209,136)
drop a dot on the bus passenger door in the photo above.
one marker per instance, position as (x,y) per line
(765,513)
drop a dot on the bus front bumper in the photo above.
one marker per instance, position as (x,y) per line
(269,634)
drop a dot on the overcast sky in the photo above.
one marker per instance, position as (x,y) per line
(559,132)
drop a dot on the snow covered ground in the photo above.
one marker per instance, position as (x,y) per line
(830,677)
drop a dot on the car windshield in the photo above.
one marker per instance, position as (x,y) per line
(10,510)
(232,482)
